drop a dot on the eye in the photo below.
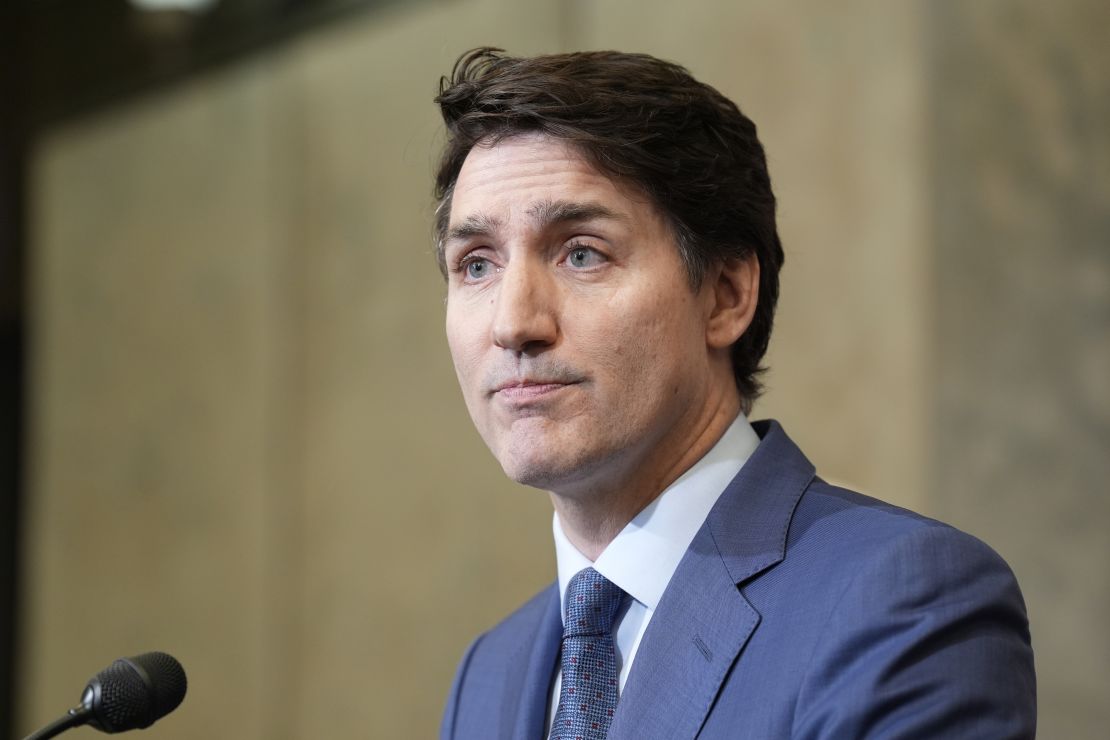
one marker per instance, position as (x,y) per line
(474,268)
(477,268)
(582,257)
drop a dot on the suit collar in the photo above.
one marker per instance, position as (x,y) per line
(703,620)
(751,519)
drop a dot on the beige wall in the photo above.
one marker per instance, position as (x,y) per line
(247,447)
(1021,197)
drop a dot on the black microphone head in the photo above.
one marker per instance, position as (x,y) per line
(133,693)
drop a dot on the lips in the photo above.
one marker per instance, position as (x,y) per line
(534,389)
(526,390)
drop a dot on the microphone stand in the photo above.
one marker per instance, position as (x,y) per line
(73,718)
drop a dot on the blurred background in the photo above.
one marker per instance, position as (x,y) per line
(231,429)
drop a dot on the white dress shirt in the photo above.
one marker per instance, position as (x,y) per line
(644,556)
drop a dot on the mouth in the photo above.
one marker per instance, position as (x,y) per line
(530,390)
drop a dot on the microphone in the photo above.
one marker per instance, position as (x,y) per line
(130,694)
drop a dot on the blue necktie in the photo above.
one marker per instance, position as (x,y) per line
(588,696)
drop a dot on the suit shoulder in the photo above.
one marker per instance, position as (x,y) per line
(916,612)
(854,525)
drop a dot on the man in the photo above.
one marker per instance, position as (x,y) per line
(607,229)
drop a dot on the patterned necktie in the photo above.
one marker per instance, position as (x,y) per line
(588,695)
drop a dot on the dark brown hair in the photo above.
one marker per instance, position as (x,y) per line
(643,121)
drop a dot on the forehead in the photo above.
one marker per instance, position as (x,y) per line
(512,179)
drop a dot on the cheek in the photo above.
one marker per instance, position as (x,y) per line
(659,323)
(464,344)
(642,344)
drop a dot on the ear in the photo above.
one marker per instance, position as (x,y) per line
(735,294)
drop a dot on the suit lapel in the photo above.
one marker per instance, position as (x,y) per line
(528,680)
(703,620)
(693,638)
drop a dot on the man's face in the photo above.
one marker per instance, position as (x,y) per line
(577,339)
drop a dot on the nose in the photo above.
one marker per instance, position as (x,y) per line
(525,316)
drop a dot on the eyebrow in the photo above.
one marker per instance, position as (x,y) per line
(545,214)
(552,212)
(472,226)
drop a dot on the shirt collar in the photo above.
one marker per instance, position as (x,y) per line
(645,554)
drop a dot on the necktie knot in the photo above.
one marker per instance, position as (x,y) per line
(591,605)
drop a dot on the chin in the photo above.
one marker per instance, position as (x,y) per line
(534,462)
(534,472)
(551,457)
(539,467)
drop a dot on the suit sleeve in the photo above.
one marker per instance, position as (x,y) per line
(928,640)
(450,712)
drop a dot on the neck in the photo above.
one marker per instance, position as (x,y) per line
(592,518)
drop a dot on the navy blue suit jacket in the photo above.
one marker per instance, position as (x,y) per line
(800,610)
